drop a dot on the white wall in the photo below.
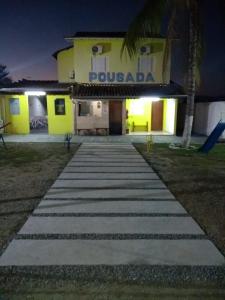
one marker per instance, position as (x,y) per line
(169,123)
(201,118)
(216,112)
(99,117)
(207,115)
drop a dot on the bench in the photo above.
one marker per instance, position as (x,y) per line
(139,127)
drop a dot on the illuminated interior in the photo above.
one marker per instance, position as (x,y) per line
(139,115)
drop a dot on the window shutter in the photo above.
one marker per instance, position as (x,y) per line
(146,64)
(98,64)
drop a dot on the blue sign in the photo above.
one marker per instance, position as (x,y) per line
(120,77)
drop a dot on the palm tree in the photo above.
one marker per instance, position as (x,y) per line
(4,76)
(149,22)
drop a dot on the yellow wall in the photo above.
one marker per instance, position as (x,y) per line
(65,65)
(79,59)
(19,123)
(60,124)
(170,115)
(142,111)
(139,112)
(57,124)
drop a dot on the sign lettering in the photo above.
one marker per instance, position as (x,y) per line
(121,77)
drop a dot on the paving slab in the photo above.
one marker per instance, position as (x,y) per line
(111,169)
(111,252)
(112,156)
(114,176)
(101,206)
(107,183)
(106,159)
(121,151)
(88,148)
(109,208)
(109,193)
(113,225)
(107,164)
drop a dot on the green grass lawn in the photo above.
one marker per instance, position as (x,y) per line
(27,170)
(198,182)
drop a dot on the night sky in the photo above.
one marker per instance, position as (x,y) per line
(32,30)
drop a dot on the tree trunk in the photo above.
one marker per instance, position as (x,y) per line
(191,84)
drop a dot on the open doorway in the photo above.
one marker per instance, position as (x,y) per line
(38,114)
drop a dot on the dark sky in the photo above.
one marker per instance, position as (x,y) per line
(31,30)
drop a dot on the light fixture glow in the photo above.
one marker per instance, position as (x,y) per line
(137,108)
(35,93)
(153,99)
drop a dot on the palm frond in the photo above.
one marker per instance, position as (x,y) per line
(147,22)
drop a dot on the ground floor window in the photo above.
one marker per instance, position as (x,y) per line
(84,108)
(60,108)
(14,106)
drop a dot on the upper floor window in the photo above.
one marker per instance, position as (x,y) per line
(145,64)
(14,106)
(98,63)
(60,108)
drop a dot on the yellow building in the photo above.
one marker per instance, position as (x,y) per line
(98,91)
(37,107)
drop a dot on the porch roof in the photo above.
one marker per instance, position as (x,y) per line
(49,86)
(122,91)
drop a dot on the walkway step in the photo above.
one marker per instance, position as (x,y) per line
(114,225)
(112,169)
(111,252)
(107,183)
(108,164)
(109,156)
(113,176)
(87,206)
(109,194)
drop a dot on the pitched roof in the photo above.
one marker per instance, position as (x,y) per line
(121,91)
(49,86)
(105,34)
(60,50)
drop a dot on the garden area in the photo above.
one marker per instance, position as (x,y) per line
(27,170)
(198,181)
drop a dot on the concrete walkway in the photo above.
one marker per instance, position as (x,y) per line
(46,138)
(109,216)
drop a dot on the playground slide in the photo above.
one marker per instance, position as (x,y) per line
(213,137)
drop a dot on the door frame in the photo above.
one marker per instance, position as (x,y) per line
(121,117)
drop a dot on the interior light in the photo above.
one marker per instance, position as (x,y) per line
(35,93)
(153,99)
(137,107)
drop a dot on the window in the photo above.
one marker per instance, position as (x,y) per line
(60,107)
(145,64)
(98,63)
(14,106)
(84,109)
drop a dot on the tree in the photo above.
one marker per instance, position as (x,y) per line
(4,78)
(149,22)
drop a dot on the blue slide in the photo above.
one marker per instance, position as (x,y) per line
(213,138)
